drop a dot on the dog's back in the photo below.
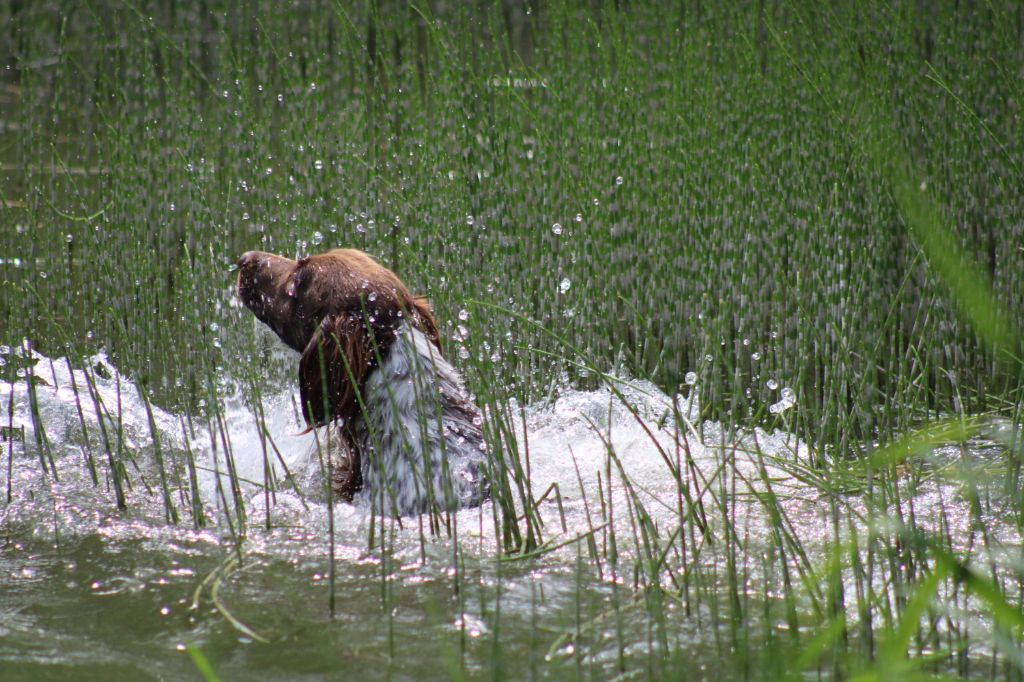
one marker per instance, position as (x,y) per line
(419,437)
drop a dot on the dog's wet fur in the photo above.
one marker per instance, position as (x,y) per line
(404,433)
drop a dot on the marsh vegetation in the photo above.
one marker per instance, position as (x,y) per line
(739,287)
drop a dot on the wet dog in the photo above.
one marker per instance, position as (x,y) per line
(408,436)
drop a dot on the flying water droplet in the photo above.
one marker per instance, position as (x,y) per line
(787,401)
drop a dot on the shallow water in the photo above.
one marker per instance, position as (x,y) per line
(120,594)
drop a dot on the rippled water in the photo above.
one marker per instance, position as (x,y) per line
(119,594)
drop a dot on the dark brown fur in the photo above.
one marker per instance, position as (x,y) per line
(340,310)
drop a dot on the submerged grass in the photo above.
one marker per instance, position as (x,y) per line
(809,216)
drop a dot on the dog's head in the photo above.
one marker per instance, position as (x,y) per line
(341,310)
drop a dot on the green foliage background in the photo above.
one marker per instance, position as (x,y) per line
(710,166)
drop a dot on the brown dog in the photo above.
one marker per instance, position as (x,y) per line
(371,366)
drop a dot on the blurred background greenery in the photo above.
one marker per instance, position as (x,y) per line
(670,188)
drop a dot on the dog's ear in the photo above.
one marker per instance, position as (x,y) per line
(332,369)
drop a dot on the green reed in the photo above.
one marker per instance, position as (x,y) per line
(769,195)
(695,219)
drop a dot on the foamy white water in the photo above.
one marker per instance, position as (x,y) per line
(568,442)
